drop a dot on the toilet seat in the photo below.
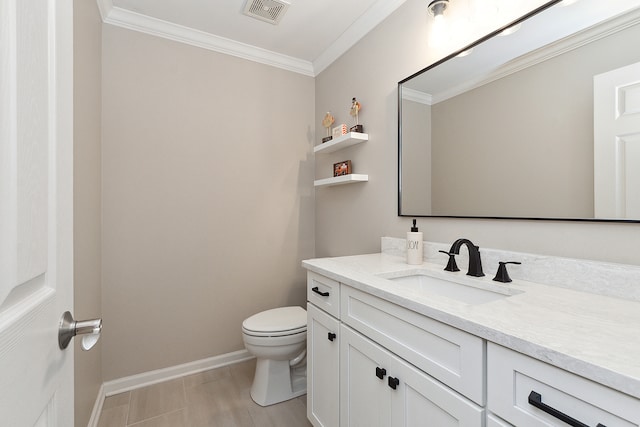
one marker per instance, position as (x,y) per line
(275,333)
(276,322)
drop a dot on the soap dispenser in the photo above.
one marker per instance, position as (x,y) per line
(414,245)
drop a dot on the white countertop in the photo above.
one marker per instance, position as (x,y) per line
(594,336)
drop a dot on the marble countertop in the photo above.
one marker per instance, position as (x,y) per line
(594,336)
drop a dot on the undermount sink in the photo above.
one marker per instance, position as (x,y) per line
(467,294)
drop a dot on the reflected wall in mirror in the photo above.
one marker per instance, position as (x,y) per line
(510,131)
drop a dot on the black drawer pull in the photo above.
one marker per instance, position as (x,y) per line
(393,382)
(331,336)
(319,292)
(381,372)
(535,399)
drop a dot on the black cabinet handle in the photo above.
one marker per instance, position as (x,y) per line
(393,382)
(535,399)
(381,372)
(319,292)
(331,336)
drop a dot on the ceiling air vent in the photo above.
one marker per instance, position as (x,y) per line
(270,11)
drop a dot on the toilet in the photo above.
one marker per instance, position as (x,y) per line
(278,339)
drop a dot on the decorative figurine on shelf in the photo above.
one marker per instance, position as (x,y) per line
(327,121)
(355,109)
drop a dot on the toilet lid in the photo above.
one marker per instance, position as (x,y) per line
(277,320)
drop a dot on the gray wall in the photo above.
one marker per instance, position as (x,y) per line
(350,219)
(207,198)
(87,198)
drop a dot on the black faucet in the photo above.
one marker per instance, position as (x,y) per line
(475,263)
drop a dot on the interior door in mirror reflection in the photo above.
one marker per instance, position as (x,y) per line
(617,143)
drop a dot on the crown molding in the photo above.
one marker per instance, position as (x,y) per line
(157,27)
(540,55)
(363,25)
(416,96)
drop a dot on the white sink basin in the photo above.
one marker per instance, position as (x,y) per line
(468,294)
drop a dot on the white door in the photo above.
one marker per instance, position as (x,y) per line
(36,263)
(617,143)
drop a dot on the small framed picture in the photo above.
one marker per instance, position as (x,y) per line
(342,168)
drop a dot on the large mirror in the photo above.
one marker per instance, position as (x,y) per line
(541,124)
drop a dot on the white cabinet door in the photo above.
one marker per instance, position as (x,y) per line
(323,368)
(36,209)
(380,389)
(365,400)
(419,400)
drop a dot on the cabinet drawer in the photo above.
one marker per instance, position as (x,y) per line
(512,377)
(450,355)
(324,293)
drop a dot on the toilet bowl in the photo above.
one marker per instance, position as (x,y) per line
(278,339)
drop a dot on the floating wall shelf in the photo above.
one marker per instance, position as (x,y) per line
(352,178)
(344,141)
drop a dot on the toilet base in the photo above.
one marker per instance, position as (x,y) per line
(276,381)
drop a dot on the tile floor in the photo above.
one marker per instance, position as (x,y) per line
(219,397)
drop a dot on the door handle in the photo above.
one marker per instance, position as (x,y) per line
(69,328)
(331,336)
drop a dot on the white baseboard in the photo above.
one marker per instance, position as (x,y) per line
(121,385)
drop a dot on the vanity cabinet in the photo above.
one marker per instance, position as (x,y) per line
(374,363)
(525,392)
(391,365)
(380,389)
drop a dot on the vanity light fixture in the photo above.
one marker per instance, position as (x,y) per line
(437,7)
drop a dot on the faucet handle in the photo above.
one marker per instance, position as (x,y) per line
(503,275)
(451,265)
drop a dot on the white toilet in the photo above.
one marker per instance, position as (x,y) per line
(278,339)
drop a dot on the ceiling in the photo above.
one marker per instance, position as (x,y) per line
(310,35)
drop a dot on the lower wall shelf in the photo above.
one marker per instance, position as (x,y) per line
(340,180)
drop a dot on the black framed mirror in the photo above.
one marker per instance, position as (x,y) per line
(514,129)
